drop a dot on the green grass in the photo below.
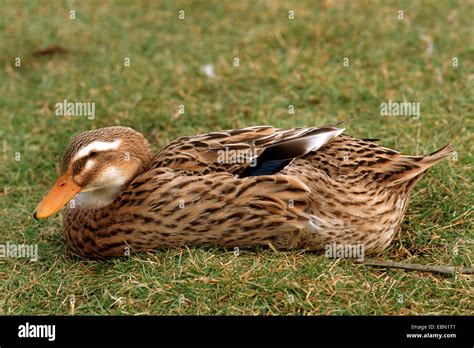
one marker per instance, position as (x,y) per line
(282,62)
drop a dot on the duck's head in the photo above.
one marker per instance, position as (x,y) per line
(96,166)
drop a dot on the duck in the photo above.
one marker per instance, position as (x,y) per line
(300,188)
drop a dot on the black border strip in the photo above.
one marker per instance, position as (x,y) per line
(221,330)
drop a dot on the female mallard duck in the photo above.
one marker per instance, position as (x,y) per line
(298,188)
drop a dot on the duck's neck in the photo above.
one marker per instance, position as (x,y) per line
(100,232)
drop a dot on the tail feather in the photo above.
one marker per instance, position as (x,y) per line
(416,166)
(440,154)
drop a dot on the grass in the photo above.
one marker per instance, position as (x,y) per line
(282,62)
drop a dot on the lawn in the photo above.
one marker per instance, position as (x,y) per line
(275,62)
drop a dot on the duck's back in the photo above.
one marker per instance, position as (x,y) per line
(359,190)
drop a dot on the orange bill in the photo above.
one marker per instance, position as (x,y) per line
(63,191)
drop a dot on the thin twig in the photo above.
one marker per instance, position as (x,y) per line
(417,267)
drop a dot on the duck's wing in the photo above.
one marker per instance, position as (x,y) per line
(215,209)
(251,151)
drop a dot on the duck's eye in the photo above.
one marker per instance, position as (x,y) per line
(93,154)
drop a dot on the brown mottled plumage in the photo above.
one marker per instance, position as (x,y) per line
(297,188)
